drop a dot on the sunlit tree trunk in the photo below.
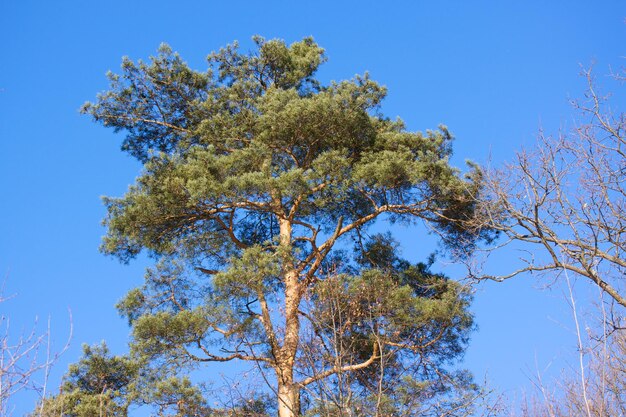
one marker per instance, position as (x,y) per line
(288,399)
(288,392)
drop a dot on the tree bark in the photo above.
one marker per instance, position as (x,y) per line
(288,399)
(288,392)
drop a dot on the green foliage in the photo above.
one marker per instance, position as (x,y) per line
(98,385)
(418,320)
(256,178)
(175,397)
(101,384)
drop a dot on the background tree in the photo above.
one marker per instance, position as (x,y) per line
(98,385)
(596,387)
(25,361)
(564,202)
(104,385)
(256,177)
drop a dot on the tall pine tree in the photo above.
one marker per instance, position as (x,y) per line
(257,182)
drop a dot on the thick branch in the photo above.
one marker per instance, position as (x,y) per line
(346,368)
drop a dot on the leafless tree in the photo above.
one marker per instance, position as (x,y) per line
(562,206)
(25,360)
(596,387)
(563,203)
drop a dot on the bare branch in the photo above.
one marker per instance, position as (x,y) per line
(565,201)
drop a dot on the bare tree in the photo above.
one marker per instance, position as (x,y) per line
(594,388)
(563,204)
(25,361)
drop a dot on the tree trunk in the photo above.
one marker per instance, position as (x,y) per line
(288,392)
(288,400)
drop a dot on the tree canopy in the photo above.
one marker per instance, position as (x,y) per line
(98,384)
(258,191)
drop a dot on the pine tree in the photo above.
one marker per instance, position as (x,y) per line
(257,181)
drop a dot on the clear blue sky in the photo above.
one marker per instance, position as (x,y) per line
(492,71)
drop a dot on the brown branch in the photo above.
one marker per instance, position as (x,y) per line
(149,121)
(217,358)
(346,368)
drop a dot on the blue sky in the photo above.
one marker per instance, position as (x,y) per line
(493,71)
